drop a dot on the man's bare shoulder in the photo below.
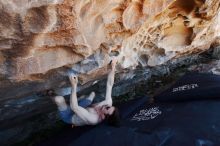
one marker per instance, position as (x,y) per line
(94,115)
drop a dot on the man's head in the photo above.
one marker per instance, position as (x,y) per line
(112,116)
(108,110)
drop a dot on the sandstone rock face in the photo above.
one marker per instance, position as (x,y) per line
(41,41)
(39,37)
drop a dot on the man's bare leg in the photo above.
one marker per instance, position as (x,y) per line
(61,103)
(110,80)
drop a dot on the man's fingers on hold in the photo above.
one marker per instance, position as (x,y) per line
(73,76)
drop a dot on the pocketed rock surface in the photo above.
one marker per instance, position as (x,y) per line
(38,38)
(42,41)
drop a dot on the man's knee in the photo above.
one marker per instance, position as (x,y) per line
(61,103)
(59,99)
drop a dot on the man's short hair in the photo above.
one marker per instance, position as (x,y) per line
(114,118)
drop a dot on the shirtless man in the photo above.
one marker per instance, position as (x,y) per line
(82,112)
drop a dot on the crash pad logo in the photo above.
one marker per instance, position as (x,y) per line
(147,114)
(185,87)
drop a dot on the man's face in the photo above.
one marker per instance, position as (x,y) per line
(108,110)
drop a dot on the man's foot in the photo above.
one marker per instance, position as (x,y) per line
(73,79)
(91,96)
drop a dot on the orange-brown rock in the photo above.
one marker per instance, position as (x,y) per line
(39,36)
(41,41)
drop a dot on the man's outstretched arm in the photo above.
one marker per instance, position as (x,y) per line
(109,85)
(80,111)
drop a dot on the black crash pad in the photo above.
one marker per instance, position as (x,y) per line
(195,123)
(192,121)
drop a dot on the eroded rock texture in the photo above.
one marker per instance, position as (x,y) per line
(37,36)
(41,41)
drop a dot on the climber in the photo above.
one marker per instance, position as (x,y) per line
(82,112)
